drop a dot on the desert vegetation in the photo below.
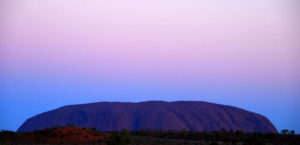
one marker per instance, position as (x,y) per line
(82,136)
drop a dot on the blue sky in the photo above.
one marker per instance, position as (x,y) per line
(238,53)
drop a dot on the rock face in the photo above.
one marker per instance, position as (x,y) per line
(156,115)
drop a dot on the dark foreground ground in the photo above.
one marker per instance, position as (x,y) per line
(82,136)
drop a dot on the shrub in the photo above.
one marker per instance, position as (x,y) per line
(118,138)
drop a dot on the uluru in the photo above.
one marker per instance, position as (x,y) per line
(154,115)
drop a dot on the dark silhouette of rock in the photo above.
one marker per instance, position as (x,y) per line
(156,115)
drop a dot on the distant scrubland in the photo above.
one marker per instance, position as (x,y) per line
(90,136)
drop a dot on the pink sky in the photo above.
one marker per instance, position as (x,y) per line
(230,44)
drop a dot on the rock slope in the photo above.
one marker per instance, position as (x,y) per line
(156,115)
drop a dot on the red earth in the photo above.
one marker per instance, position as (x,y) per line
(58,135)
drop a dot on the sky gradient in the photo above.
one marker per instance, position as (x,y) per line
(55,53)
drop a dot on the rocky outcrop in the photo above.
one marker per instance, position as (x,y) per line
(156,115)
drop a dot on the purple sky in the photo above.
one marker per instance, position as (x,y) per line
(55,53)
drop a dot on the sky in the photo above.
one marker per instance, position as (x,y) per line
(240,53)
